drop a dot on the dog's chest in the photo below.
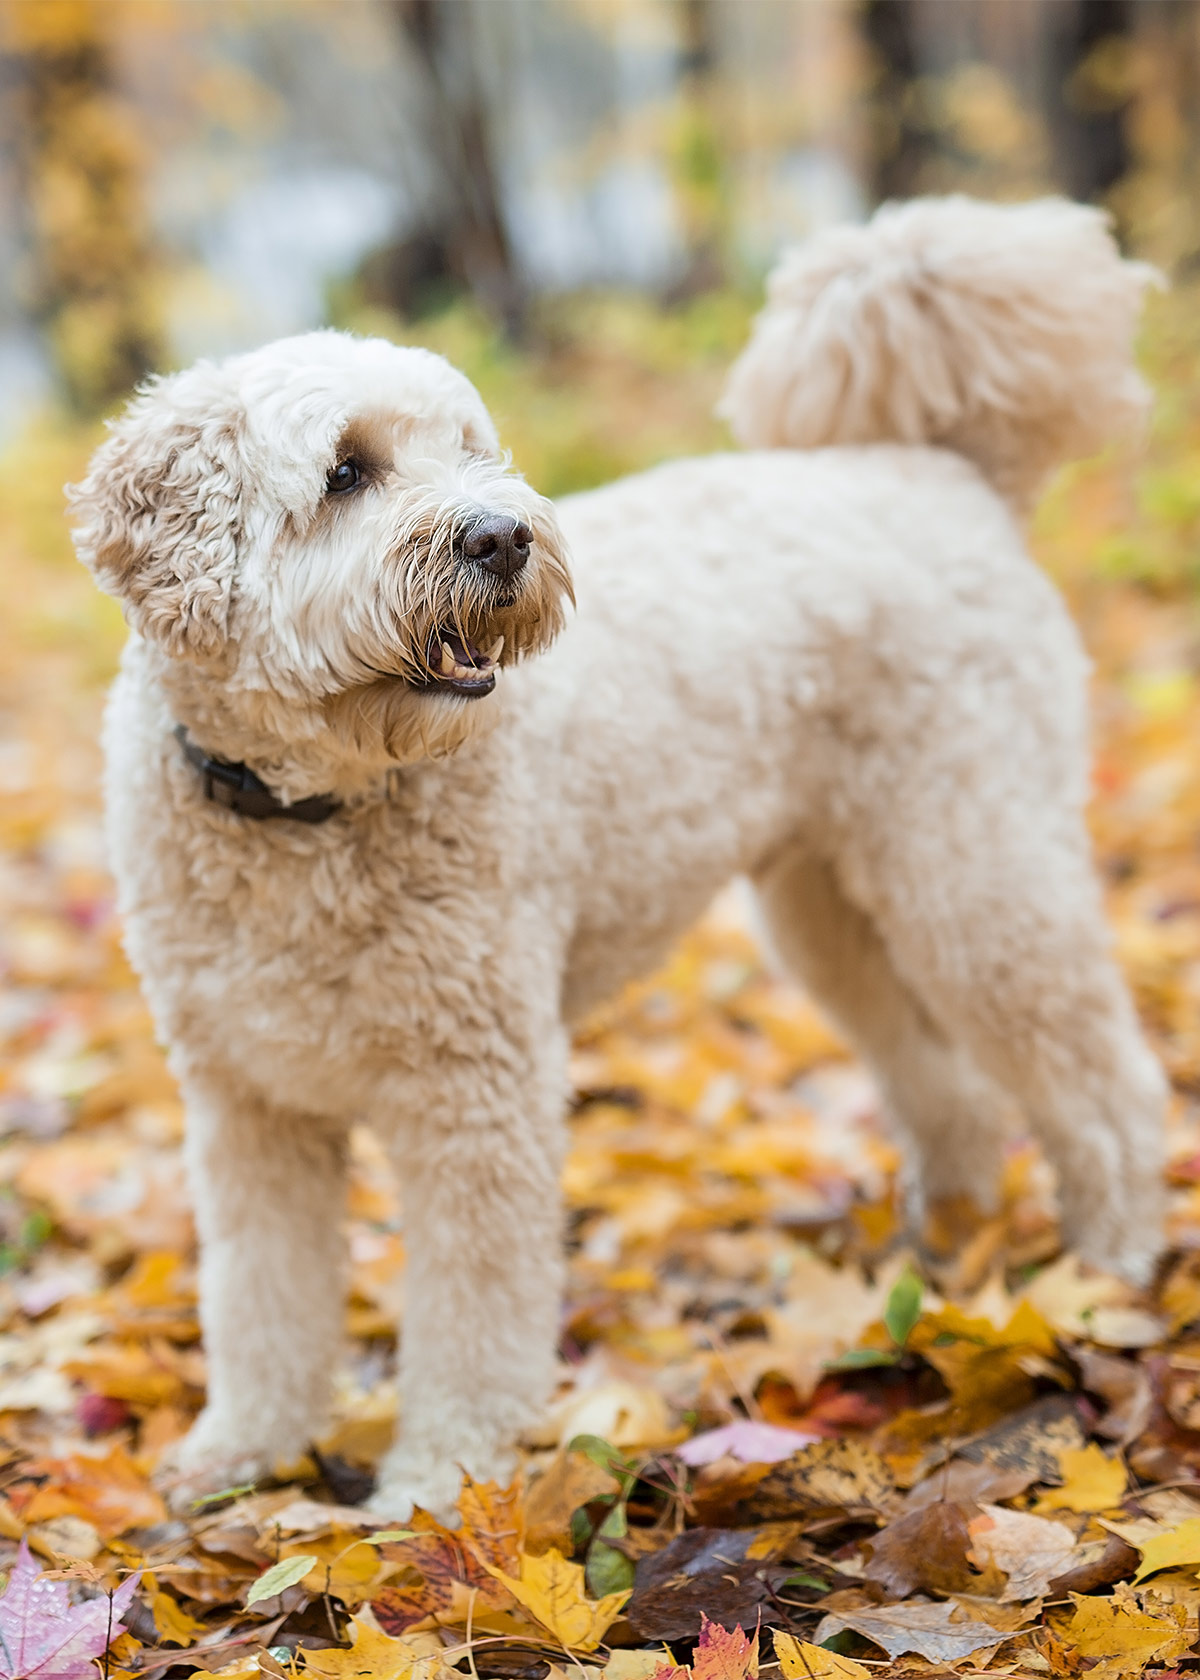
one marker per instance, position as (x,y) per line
(322,963)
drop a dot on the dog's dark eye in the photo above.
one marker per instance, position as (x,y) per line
(343,477)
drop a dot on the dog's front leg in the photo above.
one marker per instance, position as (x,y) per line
(269,1188)
(480,1189)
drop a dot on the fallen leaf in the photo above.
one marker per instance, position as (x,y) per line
(745,1439)
(570,1481)
(1031,1551)
(171,1620)
(1091,1482)
(800,1661)
(492,1524)
(106,1490)
(964,1483)
(923,1551)
(551,1588)
(1032,1440)
(728,1573)
(1124,1638)
(280,1577)
(827,1476)
(416,1656)
(43,1636)
(451,1577)
(938,1632)
(1169,1549)
(724,1655)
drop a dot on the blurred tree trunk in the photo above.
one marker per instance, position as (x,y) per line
(92,278)
(900,146)
(464,236)
(1090,47)
(697,155)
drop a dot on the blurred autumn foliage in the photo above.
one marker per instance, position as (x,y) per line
(93,282)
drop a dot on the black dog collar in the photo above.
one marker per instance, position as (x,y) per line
(238,789)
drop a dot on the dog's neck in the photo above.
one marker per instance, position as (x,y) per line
(292,749)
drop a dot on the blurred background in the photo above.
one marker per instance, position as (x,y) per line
(576,200)
(528,179)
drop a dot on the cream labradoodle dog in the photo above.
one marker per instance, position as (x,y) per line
(384,827)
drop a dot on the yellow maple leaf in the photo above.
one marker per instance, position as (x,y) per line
(1123,1637)
(170,1618)
(801,1661)
(1175,1546)
(414,1656)
(1091,1481)
(551,1589)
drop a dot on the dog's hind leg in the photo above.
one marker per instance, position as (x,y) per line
(991,914)
(951,1119)
(269,1189)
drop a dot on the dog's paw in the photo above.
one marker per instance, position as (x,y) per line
(433,1481)
(397,1496)
(208,1462)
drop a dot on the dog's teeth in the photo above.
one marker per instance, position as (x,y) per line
(450,665)
(494,652)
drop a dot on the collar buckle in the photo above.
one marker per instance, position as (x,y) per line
(236,788)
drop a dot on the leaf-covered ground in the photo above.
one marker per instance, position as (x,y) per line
(772,1414)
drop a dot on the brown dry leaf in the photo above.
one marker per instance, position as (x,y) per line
(938,1632)
(964,1483)
(1032,1440)
(570,1480)
(450,1579)
(729,1574)
(841,1475)
(1030,1551)
(923,1551)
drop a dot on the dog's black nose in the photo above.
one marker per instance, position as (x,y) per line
(499,543)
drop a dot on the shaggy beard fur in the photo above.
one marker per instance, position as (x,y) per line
(391,713)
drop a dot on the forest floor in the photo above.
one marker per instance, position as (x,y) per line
(769,1415)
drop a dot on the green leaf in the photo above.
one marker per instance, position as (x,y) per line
(863,1359)
(386,1534)
(279,1577)
(802,1579)
(220,1497)
(607,1570)
(903,1306)
(604,1454)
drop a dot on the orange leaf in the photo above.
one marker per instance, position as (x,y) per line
(110,1492)
(724,1656)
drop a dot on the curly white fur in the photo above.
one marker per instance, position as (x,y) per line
(833,668)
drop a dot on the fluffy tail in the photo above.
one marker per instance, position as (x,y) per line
(1004,332)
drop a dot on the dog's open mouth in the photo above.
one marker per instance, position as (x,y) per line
(457,664)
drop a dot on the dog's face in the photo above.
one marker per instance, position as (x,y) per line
(326,530)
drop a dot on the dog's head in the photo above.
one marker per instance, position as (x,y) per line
(326,532)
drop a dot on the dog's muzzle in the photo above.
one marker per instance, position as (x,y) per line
(499,546)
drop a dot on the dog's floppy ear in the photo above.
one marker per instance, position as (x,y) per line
(158,518)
